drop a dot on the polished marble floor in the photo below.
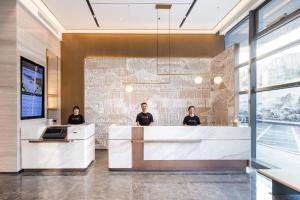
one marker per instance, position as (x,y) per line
(101,184)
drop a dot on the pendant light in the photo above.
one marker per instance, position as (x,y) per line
(218,79)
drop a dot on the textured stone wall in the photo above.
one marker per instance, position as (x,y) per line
(166,85)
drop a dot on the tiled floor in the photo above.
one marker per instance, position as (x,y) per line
(101,184)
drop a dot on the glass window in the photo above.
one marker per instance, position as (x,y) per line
(280,37)
(278,63)
(239,35)
(278,127)
(280,68)
(274,11)
(243,110)
(279,105)
(244,78)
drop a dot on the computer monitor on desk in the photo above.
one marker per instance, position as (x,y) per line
(55,132)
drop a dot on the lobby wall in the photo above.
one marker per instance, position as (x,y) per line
(77,47)
(33,42)
(20,35)
(8,86)
(166,85)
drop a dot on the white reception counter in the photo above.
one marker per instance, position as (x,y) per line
(77,151)
(179,147)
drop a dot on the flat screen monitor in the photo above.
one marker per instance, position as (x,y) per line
(32,90)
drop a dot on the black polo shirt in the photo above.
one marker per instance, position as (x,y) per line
(144,119)
(191,121)
(76,119)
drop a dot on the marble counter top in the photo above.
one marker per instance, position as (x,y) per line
(180,143)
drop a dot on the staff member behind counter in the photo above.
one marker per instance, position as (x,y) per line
(191,119)
(144,118)
(76,118)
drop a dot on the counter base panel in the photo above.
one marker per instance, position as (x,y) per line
(76,154)
(205,150)
(119,154)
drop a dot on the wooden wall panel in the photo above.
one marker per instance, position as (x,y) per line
(76,47)
(8,87)
(53,86)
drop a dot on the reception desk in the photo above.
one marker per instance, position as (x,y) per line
(179,148)
(77,151)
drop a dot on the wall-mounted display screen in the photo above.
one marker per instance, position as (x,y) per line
(32,89)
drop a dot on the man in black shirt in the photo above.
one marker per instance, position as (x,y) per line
(76,118)
(191,119)
(144,118)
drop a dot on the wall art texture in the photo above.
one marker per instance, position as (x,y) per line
(166,84)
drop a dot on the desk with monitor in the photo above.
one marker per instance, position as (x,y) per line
(58,147)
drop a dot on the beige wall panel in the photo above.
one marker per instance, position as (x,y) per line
(8,89)
(33,40)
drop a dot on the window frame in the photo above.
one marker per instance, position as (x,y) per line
(254,36)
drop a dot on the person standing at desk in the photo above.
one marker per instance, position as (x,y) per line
(144,118)
(191,119)
(76,118)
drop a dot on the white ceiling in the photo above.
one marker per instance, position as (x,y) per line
(123,15)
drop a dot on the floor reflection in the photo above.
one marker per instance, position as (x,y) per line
(99,183)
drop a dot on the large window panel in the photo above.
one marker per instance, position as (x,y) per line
(244,78)
(274,11)
(239,35)
(279,68)
(278,127)
(287,34)
(281,105)
(243,110)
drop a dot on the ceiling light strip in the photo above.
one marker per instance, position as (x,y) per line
(92,11)
(187,14)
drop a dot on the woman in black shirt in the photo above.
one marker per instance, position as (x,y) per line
(191,119)
(76,118)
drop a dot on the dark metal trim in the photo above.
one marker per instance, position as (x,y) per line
(187,14)
(243,92)
(12,173)
(252,80)
(244,64)
(50,141)
(278,87)
(292,16)
(182,22)
(92,12)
